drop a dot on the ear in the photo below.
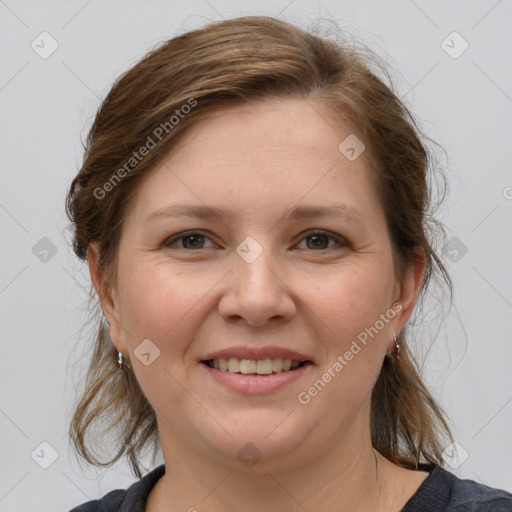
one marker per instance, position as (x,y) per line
(108,298)
(406,293)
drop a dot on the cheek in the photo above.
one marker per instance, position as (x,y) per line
(349,301)
(161,304)
(350,308)
(155,301)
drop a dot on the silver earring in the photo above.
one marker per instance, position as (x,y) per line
(119,359)
(396,352)
(397,346)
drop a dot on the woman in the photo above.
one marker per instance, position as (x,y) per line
(253,206)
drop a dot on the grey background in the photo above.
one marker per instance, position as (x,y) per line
(46,107)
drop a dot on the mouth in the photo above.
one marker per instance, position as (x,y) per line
(255,367)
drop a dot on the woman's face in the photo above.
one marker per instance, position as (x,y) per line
(294,263)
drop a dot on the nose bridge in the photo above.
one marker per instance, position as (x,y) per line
(253,266)
(256,292)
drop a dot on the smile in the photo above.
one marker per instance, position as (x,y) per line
(254,366)
(253,382)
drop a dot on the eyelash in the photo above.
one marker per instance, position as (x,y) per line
(179,236)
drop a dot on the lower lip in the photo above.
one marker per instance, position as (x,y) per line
(256,384)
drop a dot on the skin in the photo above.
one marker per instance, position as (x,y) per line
(259,161)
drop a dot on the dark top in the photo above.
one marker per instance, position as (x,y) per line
(441,491)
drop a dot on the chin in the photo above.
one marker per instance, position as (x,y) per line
(258,440)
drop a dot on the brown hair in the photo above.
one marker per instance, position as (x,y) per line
(239,60)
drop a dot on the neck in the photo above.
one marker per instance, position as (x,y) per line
(350,477)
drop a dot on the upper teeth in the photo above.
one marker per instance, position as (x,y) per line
(261,366)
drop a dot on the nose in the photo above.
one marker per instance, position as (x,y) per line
(257,292)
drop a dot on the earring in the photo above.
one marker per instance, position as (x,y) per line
(396,353)
(397,346)
(119,359)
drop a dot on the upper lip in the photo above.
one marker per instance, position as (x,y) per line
(257,353)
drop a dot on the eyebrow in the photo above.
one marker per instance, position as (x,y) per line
(298,213)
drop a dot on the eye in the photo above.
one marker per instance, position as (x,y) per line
(194,240)
(190,240)
(319,240)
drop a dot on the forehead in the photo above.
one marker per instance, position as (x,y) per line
(256,156)
(273,128)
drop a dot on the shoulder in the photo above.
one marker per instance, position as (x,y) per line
(469,496)
(132,499)
(109,503)
(442,491)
